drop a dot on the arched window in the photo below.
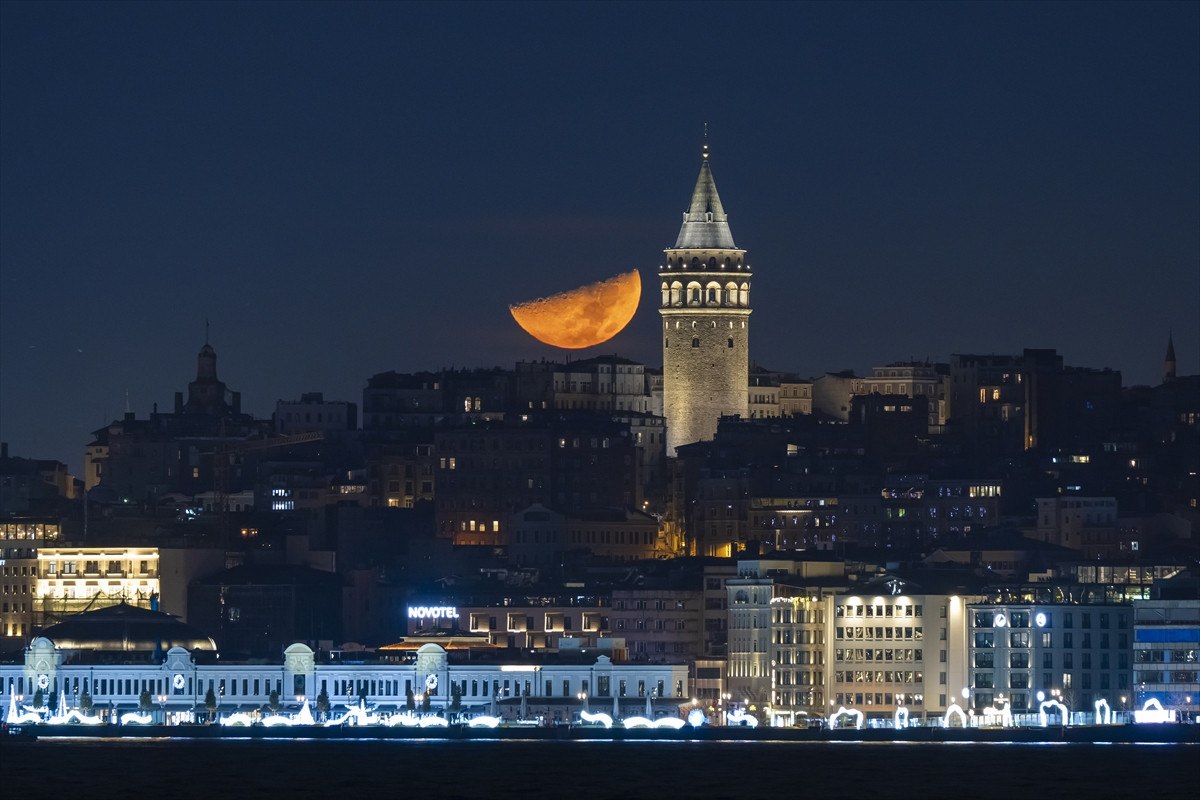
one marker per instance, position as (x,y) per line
(695,296)
(666,342)
(744,295)
(726,264)
(666,294)
(676,293)
(712,293)
(695,262)
(695,341)
(731,295)
(730,341)
(712,263)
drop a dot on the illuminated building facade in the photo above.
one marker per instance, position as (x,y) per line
(20,542)
(180,681)
(71,579)
(705,308)
(803,642)
(74,579)
(1076,652)
(1166,647)
(515,619)
(892,648)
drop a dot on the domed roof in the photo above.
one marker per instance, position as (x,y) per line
(126,628)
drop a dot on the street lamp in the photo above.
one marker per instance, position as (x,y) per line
(583,698)
(162,706)
(723,702)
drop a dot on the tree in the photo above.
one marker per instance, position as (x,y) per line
(273,701)
(38,699)
(426,703)
(455,697)
(210,702)
(145,702)
(323,703)
(52,703)
(410,702)
(85,703)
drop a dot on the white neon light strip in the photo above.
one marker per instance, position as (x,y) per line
(602,718)
(843,711)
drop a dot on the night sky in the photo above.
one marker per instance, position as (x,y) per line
(348,189)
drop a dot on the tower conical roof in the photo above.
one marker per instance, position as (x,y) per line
(705,224)
(1170,348)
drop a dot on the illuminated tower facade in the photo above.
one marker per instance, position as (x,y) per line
(705,311)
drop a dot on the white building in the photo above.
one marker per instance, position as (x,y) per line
(179,683)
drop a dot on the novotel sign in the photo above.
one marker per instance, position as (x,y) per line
(432,612)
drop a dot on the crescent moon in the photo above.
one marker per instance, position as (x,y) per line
(583,317)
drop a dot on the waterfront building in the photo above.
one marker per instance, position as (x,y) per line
(778,617)
(898,643)
(1166,645)
(118,656)
(1048,642)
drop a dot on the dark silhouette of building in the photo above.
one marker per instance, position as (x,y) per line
(256,610)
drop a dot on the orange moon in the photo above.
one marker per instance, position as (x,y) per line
(582,317)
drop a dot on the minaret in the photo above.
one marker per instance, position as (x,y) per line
(1169,361)
(705,308)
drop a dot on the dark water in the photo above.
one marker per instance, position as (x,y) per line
(375,770)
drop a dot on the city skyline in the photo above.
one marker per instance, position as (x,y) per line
(346,191)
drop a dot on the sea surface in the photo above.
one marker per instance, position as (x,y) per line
(166,769)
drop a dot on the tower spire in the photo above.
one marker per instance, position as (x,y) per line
(705,223)
(1169,361)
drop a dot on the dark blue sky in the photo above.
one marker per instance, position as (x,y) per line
(348,189)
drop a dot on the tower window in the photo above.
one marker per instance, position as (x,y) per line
(696,342)
(731,342)
(666,342)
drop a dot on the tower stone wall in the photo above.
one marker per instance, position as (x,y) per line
(705,308)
